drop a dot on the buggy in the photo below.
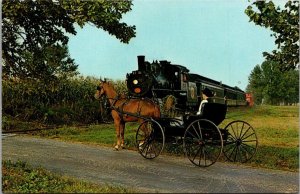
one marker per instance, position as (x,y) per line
(203,141)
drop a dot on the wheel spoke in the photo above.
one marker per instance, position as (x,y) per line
(199,137)
(204,155)
(240,154)
(246,152)
(228,148)
(234,148)
(235,135)
(198,150)
(242,130)
(153,148)
(246,132)
(234,138)
(254,140)
(199,127)
(248,146)
(191,134)
(236,151)
(248,136)
(210,154)
(147,148)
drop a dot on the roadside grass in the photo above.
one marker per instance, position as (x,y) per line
(20,177)
(277,128)
(103,134)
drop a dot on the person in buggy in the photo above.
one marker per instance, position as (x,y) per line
(206,93)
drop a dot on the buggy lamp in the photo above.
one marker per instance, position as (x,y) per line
(135,82)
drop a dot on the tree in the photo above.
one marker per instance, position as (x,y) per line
(285,25)
(256,84)
(272,77)
(34,40)
(290,85)
(271,86)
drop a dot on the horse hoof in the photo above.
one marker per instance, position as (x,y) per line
(117,148)
(122,146)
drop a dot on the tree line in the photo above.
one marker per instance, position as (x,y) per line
(276,80)
(269,85)
(37,66)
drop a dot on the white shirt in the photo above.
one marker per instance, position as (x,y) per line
(201,106)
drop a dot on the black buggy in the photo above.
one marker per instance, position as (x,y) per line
(203,141)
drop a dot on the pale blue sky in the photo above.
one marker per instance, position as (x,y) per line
(211,38)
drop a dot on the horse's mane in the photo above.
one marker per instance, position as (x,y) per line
(120,95)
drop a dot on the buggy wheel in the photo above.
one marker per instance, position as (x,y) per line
(202,143)
(150,139)
(241,142)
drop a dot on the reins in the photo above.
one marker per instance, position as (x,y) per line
(115,100)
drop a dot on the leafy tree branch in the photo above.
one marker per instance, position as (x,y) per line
(34,40)
(285,26)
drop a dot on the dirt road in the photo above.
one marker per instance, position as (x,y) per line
(127,168)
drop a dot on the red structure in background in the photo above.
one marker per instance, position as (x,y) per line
(249,99)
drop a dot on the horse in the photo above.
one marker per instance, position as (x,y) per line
(126,110)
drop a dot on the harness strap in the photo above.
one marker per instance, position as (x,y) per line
(139,109)
(118,109)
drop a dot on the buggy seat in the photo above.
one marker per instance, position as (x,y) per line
(215,112)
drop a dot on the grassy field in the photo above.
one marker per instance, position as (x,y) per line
(19,177)
(277,128)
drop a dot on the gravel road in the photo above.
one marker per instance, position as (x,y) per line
(127,168)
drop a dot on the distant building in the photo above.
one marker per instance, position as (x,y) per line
(249,99)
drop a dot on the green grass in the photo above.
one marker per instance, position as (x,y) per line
(103,134)
(19,177)
(277,128)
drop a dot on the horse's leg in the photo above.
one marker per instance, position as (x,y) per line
(117,122)
(144,127)
(122,131)
(117,125)
(144,130)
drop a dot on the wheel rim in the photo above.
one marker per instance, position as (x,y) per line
(150,139)
(202,143)
(241,143)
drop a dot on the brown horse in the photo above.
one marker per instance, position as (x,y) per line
(126,110)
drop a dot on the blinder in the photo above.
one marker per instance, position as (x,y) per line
(99,88)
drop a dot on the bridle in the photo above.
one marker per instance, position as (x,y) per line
(99,88)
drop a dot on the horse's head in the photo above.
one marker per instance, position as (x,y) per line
(100,90)
(107,89)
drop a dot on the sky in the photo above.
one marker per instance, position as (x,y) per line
(212,38)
